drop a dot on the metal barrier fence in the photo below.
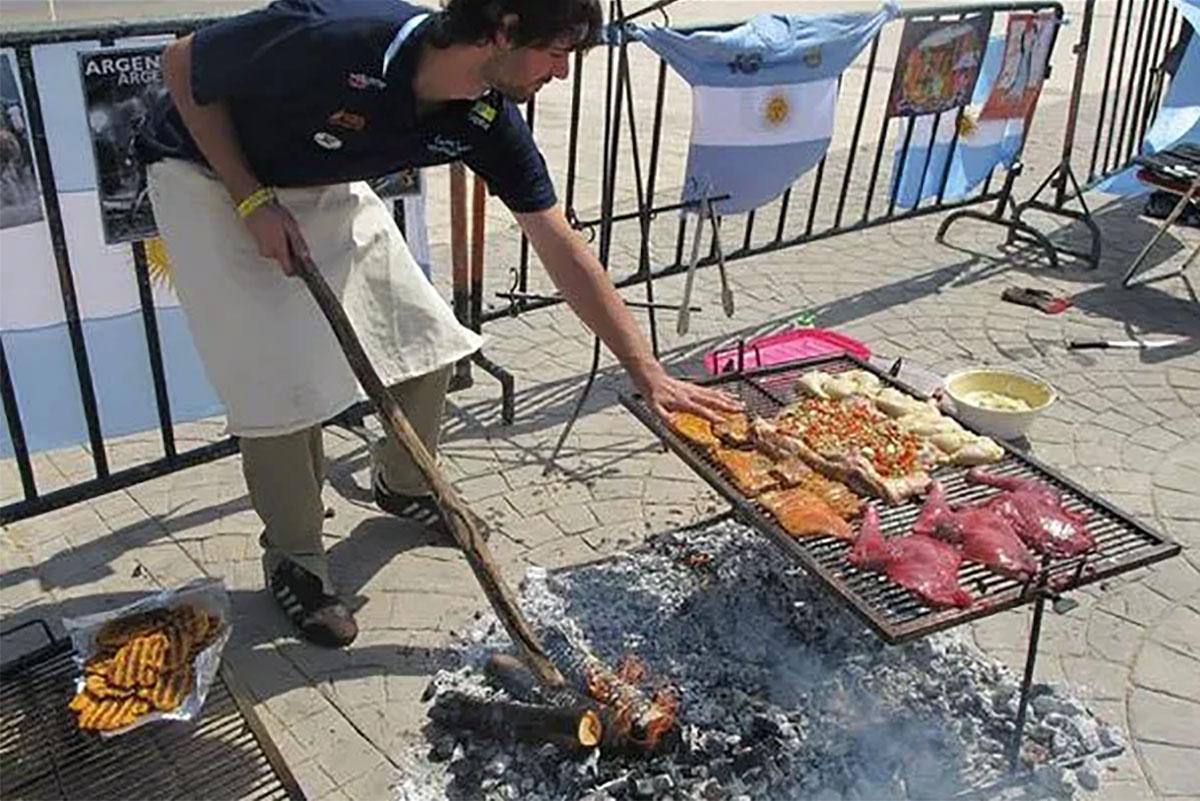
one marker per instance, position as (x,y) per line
(844,193)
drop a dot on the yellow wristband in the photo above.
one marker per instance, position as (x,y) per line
(255,200)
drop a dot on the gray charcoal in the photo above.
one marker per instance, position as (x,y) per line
(785,694)
(643,788)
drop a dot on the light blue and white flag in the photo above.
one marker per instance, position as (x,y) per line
(33,322)
(973,154)
(1178,119)
(764,97)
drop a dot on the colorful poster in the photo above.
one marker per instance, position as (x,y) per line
(20,199)
(937,65)
(1026,50)
(119,89)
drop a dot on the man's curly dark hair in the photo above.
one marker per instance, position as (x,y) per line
(539,23)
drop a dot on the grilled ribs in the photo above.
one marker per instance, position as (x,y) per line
(803,514)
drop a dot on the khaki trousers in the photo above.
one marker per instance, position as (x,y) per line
(284,475)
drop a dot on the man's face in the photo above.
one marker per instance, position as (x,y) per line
(519,72)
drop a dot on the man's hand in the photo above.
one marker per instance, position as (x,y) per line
(666,394)
(278,235)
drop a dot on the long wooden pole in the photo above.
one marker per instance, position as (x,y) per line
(464,524)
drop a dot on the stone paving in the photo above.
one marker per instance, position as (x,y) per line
(1127,426)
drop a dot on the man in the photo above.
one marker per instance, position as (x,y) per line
(258,157)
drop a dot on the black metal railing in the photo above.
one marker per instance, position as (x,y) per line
(848,191)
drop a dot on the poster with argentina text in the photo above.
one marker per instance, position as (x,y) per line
(120,87)
(937,65)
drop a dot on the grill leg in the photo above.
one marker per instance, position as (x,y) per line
(1035,632)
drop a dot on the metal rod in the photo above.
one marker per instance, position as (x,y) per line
(154,349)
(816,197)
(636,304)
(1035,633)
(908,134)
(645,201)
(1134,99)
(783,213)
(1112,122)
(460,277)
(1081,59)
(62,259)
(478,246)
(937,122)
(1108,68)
(858,124)
(120,479)
(746,235)
(1156,77)
(875,169)
(16,432)
(958,117)
(608,192)
(655,212)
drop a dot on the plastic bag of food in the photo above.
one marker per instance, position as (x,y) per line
(151,660)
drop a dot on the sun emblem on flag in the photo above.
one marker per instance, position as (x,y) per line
(158,265)
(776,110)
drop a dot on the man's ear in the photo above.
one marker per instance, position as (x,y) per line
(506,33)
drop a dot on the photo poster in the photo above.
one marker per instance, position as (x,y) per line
(20,196)
(1023,68)
(937,65)
(120,87)
(398,184)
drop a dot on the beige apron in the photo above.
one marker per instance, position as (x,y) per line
(267,348)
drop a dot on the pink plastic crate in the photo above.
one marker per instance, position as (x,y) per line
(786,346)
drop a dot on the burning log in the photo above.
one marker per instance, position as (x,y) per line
(577,727)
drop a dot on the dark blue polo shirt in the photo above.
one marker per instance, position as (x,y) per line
(313,102)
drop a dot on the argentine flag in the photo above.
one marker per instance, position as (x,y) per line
(764,96)
(33,321)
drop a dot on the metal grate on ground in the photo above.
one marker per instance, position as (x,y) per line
(225,753)
(892,611)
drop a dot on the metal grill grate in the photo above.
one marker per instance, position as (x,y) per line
(224,753)
(895,613)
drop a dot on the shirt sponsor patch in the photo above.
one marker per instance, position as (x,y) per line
(360,80)
(327,140)
(348,120)
(483,114)
(448,147)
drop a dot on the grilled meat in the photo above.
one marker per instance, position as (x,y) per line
(734,430)
(693,428)
(750,471)
(803,514)
(984,536)
(924,565)
(1037,514)
(793,472)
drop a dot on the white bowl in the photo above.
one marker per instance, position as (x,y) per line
(999,423)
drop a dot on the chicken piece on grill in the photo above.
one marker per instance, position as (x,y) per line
(852,470)
(1037,513)
(694,428)
(984,536)
(803,514)
(734,430)
(926,566)
(793,472)
(750,471)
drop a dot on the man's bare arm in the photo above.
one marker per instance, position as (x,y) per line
(581,280)
(211,126)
